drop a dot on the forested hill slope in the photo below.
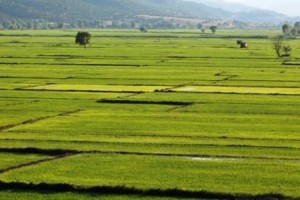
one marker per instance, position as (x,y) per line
(69,11)
(72,10)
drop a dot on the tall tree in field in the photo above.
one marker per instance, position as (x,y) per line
(143,29)
(279,46)
(297,25)
(294,32)
(83,38)
(286,29)
(297,28)
(213,29)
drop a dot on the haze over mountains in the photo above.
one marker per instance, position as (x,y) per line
(288,7)
(73,10)
(225,5)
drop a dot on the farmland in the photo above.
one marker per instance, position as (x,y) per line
(158,115)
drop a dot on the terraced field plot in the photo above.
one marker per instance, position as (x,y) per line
(239,90)
(99,88)
(167,114)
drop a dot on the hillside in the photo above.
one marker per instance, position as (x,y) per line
(225,5)
(54,10)
(72,11)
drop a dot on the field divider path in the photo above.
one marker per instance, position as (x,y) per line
(61,156)
(207,137)
(21,103)
(179,107)
(31,121)
(76,64)
(171,103)
(160,144)
(4,89)
(149,192)
(130,95)
(75,90)
(203,157)
(225,77)
(30,86)
(176,87)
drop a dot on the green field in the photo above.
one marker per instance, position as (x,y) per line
(160,115)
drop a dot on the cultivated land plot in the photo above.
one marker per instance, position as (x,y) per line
(100,88)
(133,112)
(239,90)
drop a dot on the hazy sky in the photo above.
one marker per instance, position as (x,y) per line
(289,7)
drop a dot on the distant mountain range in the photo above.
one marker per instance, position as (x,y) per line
(74,10)
(71,10)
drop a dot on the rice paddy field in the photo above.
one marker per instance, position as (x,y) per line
(168,114)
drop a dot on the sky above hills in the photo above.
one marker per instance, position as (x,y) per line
(289,7)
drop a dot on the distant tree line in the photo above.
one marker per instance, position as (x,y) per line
(135,22)
(289,30)
(41,24)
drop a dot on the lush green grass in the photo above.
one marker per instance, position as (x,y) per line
(116,96)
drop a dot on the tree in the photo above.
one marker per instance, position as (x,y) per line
(143,29)
(199,26)
(294,32)
(83,38)
(286,29)
(213,29)
(287,50)
(297,25)
(278,44)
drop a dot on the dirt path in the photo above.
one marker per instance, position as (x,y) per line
(61,156)
(31,121)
